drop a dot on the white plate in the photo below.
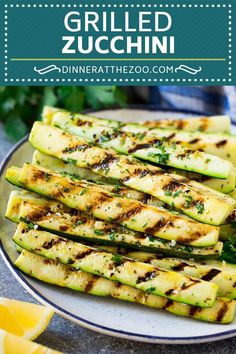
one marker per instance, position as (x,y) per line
(105,315)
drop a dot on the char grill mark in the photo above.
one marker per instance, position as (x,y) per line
(186,154)
(38,214)
(99,200)
(77,147)
(172,186)
(146,198)
(168,304)
(162,223)
(105,163)
(53,242)
(180,124)
(180,267)
(63,228)
(221,143)
(194,141)
(189,285)
(40,175)
(80,123)
(142,172)
(193,310)
(90,284)
(221,312)
(84,254)
(171,136)
(169,292)
(128,214)
(146,277)
(139,147)
(211,274)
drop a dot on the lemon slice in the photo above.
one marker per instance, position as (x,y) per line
(23,319)
(12,344)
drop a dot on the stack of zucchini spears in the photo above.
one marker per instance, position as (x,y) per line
(133,211)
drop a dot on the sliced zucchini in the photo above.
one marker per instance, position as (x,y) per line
(52,272)
(146,277)
(198,201)
(113,186)
(220,144)
(213,124)
(144,147)
(80,227)
(107,206)
(49,113)
(221,185)
(215,272)
(53,163)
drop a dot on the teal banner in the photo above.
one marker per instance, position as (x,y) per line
(120,42)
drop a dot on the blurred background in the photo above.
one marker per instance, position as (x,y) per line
(20,106)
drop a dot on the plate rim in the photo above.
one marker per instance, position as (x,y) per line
(22,279)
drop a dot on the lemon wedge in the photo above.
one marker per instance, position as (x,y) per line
(12,344)
(24,319)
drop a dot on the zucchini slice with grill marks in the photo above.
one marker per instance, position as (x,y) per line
(194,199)
(107,206)
(52,272)
(222,145)
(216,272)
(78,226)
(144,147)
(212,124)
(221,185)
(158,281)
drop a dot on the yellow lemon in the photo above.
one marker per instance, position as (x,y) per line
(11,344)
(23,319)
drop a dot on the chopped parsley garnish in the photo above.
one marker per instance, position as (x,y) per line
(72,161)
(30,226)
(112,236)
(152,238)
(188,200)
(99,232)
(176,194)
(188,249)
(79,222)
(168,193)
(151,289)
(83,191)
(200,207)
(105,137)
(162,157)
(117,259)
(141,136)
(47,176)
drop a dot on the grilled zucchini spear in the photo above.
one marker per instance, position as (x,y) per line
(221,185)
(52,272)
(146,277)
(213,124)
(53,216)
(194,199)
(109,207)
(220,273)
(222,145)
(144,147)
